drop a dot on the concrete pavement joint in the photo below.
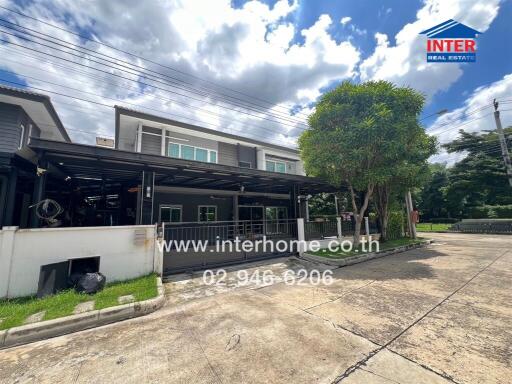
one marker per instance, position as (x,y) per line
(382,377)
(342,295)
(195,340)
(442,374)
(363,362)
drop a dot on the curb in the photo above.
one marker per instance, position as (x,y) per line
(57,327)
(362,258)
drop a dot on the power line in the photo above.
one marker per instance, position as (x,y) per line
(111,106)
(145,59)
(460,125)
(128,69)
(143,83)
(142,94)
(464,113)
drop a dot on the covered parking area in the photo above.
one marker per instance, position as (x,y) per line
(98,186)
(121,186)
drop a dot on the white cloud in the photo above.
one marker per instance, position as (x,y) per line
(249,49)
(345,20)
(475,115)
(404,62)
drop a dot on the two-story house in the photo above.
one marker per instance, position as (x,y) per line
(160,171)
(201,184)
(148,134)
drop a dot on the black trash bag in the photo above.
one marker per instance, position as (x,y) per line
(74,278)
(91,283)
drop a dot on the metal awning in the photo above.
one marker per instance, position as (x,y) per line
(90,164)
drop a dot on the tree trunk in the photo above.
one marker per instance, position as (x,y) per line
(358,213)
(382,206)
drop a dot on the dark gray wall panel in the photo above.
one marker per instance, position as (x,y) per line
(247,154)
(9,127)
(151,144)
(228,154)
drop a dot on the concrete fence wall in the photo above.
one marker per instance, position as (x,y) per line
(125,252)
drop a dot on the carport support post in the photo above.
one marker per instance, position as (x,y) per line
(38,194)
(338,226)
(10,197)
(300,236)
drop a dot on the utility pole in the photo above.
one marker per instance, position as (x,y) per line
(503,142)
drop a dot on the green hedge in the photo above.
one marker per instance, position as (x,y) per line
(491,212)
(395,224)
(443,220)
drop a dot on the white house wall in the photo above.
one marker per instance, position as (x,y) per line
(125,252)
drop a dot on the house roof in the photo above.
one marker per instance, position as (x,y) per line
(451,29)
(28,100)
(143,115)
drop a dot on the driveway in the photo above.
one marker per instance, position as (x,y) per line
(442,314)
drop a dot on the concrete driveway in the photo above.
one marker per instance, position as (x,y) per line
(437,315)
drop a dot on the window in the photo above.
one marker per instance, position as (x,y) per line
(189,152)
(280,167)
(207,213)
(174,150)
(276,166)
(244,164)
(276,220)
(201,155)
(22,133)
(170,213)
(276,213)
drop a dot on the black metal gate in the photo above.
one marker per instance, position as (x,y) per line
(195,246)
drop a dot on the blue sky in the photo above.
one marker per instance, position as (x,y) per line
(276,55)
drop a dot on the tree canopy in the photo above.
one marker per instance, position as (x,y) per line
(366,135)
(478,179)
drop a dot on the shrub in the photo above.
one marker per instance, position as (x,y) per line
(396,224)
(443,220)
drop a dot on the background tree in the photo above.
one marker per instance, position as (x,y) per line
(432,197)
(358,137)
(322,204)
(476,180)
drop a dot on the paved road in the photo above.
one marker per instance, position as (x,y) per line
(436,315)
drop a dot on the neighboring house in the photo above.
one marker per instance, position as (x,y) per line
(23,114)
(160,170)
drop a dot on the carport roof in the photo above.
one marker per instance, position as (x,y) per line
(82,161)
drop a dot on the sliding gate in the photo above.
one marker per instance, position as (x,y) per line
(195,246)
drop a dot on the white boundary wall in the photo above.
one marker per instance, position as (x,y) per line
(125,252)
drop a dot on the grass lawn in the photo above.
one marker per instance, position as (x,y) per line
(15,311)
(430,227)
(339,254)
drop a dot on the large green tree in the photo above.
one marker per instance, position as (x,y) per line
(478,179)
(362,137)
